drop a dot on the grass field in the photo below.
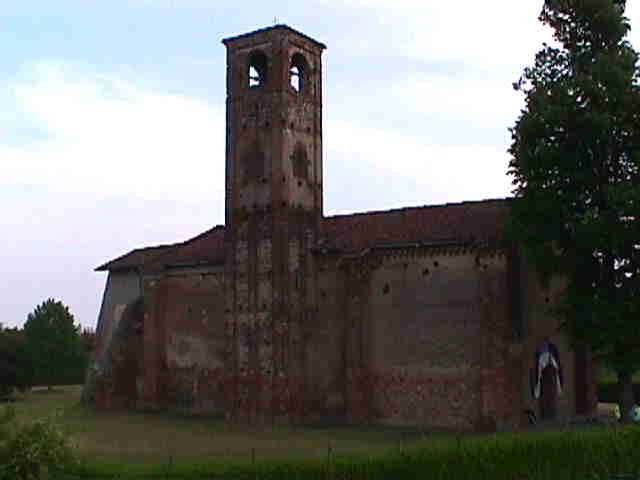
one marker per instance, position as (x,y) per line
(133,437)
(130,446)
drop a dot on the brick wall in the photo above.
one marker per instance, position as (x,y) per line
(195,346)
(423,321)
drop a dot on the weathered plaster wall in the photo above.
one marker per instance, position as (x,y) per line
(121,288)
(115,380)
(186,323)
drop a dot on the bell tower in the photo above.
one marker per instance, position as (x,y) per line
(273,208)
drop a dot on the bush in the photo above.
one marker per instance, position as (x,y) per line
(609,392)
(31,451)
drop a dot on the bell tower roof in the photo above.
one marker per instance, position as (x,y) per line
(281,26)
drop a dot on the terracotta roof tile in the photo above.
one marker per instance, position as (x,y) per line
(280,26)
(205,249)
(456,222)
(134,259)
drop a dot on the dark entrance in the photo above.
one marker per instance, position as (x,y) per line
(549,393)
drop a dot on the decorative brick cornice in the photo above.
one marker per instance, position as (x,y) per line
(361,264)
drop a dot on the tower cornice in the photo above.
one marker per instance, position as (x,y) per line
(229,41)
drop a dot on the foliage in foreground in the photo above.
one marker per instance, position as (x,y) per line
(31,451)
(576,168)
(592,454)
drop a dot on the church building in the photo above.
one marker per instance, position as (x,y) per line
(420,316)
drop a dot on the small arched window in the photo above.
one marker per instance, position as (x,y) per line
(300,162)
(298,72)
(257,69)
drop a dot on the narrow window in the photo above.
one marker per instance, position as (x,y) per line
(257,69)
(297,72)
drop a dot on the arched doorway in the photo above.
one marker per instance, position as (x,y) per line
(547,381)
(548,393)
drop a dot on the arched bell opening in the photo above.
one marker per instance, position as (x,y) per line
(298,72)
(258,66)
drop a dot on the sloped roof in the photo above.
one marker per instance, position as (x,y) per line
(205,248)
(464,222)
(135,258)
(279,26)
(455,222)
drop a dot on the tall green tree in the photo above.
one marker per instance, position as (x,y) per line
(53,342)
(15,364)
(576,169)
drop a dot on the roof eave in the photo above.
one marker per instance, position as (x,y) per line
(226,41)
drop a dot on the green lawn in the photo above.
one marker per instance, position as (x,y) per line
(133,437)
(128,445)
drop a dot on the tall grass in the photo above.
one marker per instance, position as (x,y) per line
(596,454)
(183,448)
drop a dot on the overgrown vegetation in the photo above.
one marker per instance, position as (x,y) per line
(595,454)
(33,450)
(15,366)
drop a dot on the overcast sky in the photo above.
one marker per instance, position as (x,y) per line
(112,120)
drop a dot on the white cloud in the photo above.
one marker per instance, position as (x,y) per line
(106,134)
(445,172)
(633,13)
(477,100)
(490,36)
(53,240)
(487,35)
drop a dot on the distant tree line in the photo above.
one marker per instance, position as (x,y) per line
(50,349)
